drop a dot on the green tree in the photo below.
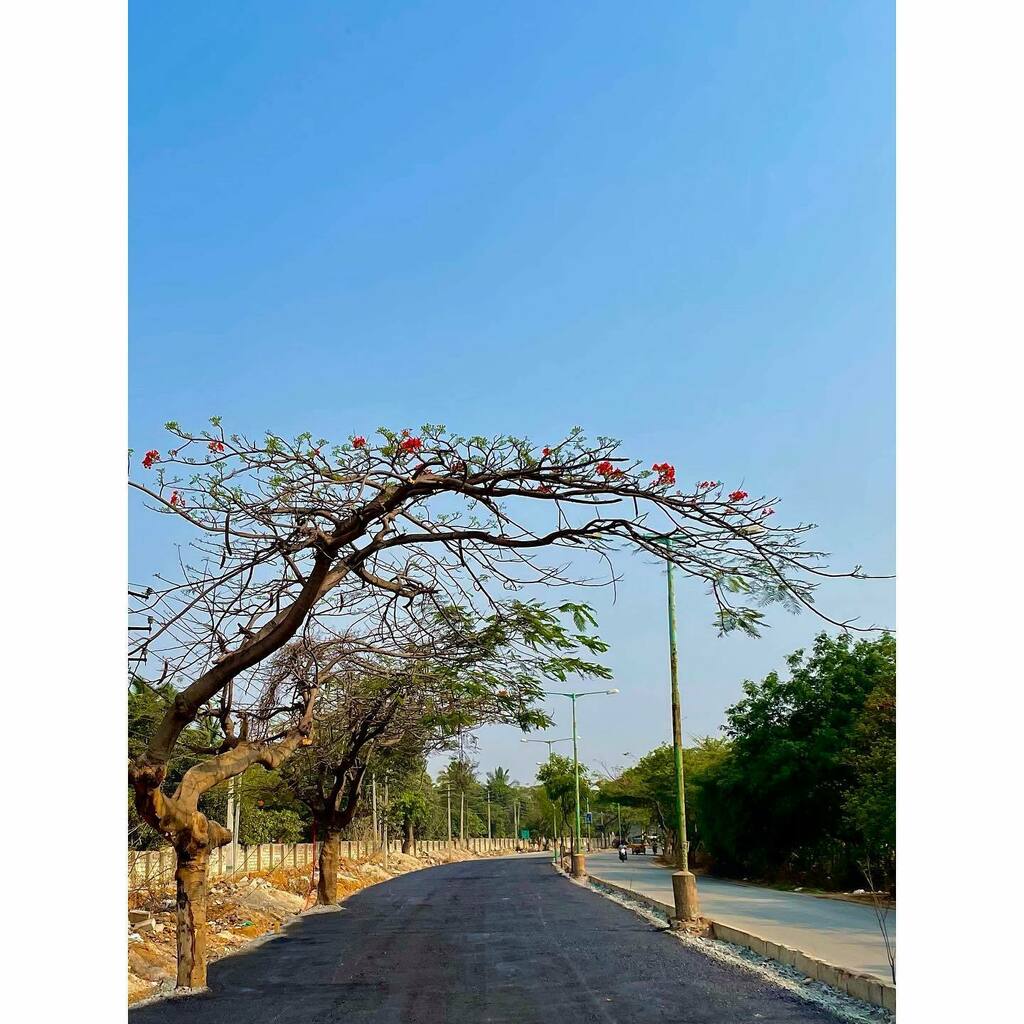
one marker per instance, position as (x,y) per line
(776,804)
(271,826)
(558,777)
(503,795)
(870,804)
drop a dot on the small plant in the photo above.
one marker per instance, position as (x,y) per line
(881,909)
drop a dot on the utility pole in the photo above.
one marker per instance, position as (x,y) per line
(449,821)
(234,827)
(373,805)
(386,805)
(229,822)
(576,773)
(488,814)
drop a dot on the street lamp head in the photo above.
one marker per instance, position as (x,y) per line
(611,691)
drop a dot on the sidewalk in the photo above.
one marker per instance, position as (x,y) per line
(842,933)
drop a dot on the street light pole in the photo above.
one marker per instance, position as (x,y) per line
(682,846)
(579,863)
(576,773)
(684,885)
(554,813)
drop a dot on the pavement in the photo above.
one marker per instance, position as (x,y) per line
(492,940)
(842,933)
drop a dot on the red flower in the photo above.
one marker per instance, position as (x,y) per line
(406,433)
(149,458)
(358,442)
(737,495)
(543,489)
(546,452)
(216,446)
(608,471)
(706,485)
(767,512)
(666,473)
(177,499)
(411,444)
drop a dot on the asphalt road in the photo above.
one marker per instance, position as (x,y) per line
(480,941)
(843,933)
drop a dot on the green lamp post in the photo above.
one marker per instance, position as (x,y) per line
(578,860)
(554,816)
(684,885)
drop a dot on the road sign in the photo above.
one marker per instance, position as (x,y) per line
(589,817)
(524,833)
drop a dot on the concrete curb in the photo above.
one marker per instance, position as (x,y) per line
(865,987)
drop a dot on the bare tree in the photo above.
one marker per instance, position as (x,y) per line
(880,905)
(303,540)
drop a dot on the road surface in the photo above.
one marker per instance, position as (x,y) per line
(495,940)
(842,933)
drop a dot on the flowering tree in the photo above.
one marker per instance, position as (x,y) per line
(363,542)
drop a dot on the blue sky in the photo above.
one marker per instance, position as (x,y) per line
(671,223)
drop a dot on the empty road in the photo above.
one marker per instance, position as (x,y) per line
(843,933)
(480,941)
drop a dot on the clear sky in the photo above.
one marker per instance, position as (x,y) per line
(671,223)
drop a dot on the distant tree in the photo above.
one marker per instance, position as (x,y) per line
(503,794)
(649,787)
(413,804)
(558,777)
(271,826)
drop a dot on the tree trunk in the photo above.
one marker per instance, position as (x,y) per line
(408,844)
(330,854)
(190,878)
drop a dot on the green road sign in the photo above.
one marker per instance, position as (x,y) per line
(524,833)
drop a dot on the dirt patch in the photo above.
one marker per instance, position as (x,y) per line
(244,908)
